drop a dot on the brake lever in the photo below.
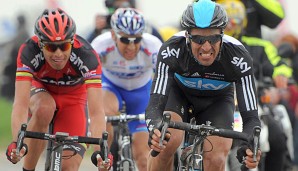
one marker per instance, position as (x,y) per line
(21,137)
(166,121)
(256,141)
(104,147)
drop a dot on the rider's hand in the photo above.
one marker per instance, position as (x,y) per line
(11,152)
(245,157)
(154,137)
(281,81)
(100,163)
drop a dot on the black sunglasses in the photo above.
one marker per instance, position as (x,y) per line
(202,39)
(127,40)
(52,47)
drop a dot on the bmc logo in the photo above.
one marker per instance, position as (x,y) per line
(243,65)
(169,53)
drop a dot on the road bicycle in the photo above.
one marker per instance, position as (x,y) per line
(191,158)
(122,136)
(59,139)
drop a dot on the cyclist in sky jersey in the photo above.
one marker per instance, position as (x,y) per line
(63,72)
(128,60)
(200,68)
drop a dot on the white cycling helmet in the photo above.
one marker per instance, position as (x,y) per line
(128,20)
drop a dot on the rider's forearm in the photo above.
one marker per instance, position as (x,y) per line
(19,115)
(250,120)
(97,127)
(20,108)
(96,113)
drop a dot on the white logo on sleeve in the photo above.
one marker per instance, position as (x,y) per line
(243,65)
(169,53)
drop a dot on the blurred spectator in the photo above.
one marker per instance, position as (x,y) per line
(100,27)
(268,13)
(288,48)
(7,89)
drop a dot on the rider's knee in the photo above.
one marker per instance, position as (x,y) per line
(43,113)
(141,161)
(219,160)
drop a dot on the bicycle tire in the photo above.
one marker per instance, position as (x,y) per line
(126,166)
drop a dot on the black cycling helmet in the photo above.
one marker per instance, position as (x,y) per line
(54,25)
(204,14)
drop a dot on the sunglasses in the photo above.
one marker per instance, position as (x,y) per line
(202,39)
(52,47)
(128,40)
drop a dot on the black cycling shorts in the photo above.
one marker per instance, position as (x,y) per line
(217,109)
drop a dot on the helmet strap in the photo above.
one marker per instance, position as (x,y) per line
(188,44)
(39,44)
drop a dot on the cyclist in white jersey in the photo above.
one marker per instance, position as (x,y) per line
(128,59)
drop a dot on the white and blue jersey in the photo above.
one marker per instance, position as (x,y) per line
(129,80)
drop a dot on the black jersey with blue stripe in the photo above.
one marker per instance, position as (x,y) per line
(232,69)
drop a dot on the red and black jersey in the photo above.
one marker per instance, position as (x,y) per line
(82,70)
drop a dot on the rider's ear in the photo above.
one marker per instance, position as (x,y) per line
(113,35)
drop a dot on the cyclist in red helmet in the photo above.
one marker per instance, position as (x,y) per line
(57,72)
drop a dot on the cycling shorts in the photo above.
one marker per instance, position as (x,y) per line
(75,148)
(71,113)
(217,109)
(136,102)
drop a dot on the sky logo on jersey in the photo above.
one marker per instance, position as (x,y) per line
(243,65)
(202,83)
(170,53)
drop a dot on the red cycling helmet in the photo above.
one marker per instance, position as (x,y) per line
(54,25)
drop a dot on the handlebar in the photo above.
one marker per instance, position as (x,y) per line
(207,130)
(123,117)
(63,137)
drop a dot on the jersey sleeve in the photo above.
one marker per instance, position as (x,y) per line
(93,76)
(156,44)
(24,72)
(162,82)
(246,89)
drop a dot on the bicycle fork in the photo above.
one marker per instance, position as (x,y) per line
(126,163)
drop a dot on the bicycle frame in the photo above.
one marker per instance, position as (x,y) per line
(49,147)
(192,152)
(59,140)
(125,160)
